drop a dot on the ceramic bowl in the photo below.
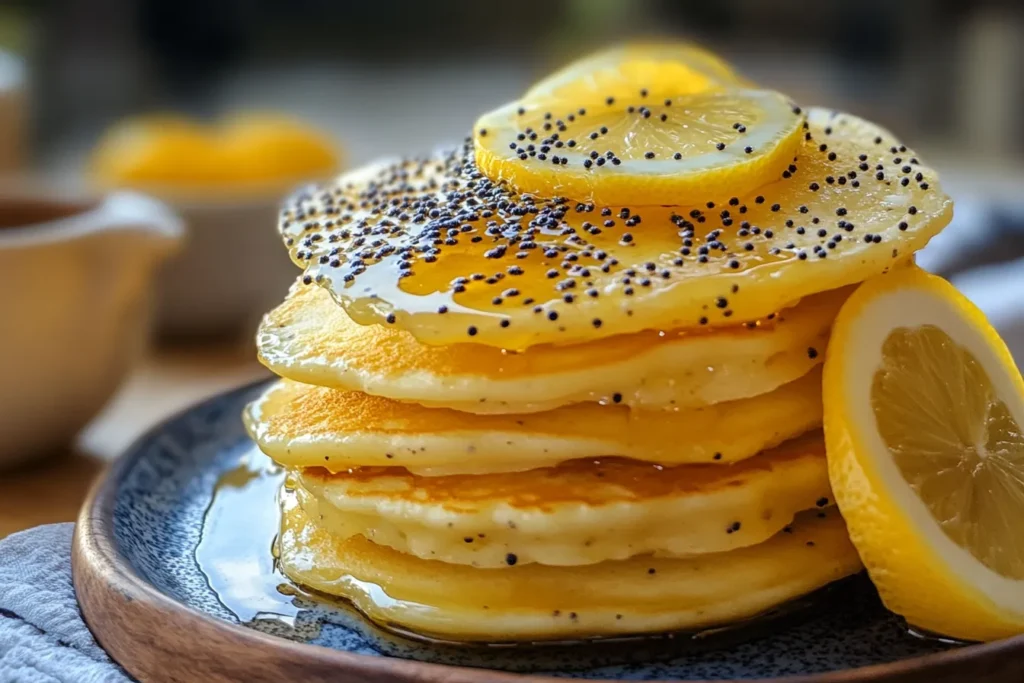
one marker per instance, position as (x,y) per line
(232,269)
(75,282)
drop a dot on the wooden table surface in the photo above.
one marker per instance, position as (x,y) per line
(164,383)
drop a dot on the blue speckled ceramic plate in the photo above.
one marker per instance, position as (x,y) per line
(174,570)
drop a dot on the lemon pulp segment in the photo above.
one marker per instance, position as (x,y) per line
(955,443)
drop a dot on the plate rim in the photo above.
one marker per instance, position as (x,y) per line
(124,611)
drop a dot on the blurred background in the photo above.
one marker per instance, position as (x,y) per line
(397,76)
(350,81)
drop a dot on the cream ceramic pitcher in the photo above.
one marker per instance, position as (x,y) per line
(75,287)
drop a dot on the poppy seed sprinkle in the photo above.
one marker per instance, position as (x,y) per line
(403,232)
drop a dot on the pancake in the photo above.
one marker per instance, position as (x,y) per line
(639,595)
(434,247)
(300,425)
(310,339)
(579,512)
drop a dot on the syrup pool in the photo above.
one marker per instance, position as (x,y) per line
(236,555)
(236,549)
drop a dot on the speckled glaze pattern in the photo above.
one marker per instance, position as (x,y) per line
(168,482)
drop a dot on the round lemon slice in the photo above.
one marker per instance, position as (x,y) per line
(923,414)
(640,150)
(663,69)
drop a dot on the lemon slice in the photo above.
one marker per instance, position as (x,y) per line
(923,415)
(663,69)
(638,150)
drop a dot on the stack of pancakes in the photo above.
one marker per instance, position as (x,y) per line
(465,491)
(501,422)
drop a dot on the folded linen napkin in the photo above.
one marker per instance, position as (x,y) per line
(42,636)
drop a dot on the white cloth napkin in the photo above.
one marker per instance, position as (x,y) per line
(42,636)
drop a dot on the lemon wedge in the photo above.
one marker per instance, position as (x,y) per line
(663,69)
(640,150)
(923,413)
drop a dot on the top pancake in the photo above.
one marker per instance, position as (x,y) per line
(311,340)
(433,247)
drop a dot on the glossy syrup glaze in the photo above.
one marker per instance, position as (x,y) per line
(238,558)
(435,248)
